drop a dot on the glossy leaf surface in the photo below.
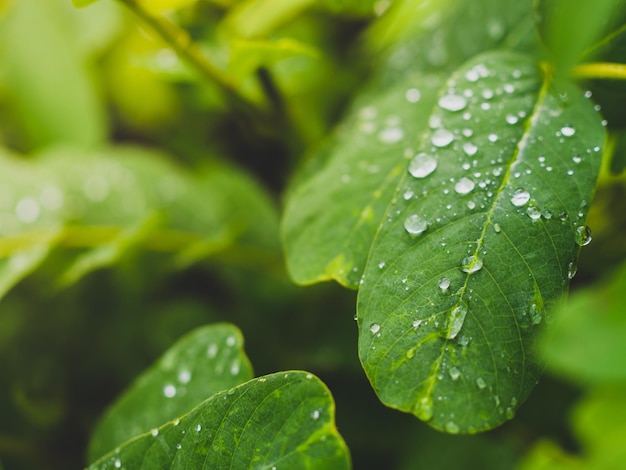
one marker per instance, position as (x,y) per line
(283,420)
(206,361)
(480,240)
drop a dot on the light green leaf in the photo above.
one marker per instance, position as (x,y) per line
(83,3)
(49,87)
(283,420)
(586,343)
(204,362)
(332,215)
(479,242)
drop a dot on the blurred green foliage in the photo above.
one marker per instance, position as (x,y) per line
(97,288)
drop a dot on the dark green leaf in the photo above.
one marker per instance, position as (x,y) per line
(473,252)
(206,361)
(283,420)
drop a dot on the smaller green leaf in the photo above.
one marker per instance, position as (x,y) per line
(248,55)
(586,343)
(283,420)
(206,361)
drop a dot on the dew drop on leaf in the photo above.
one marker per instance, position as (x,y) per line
(480,383)
(452,427)
(571,270)
(567,131)
(391,135)
(533,212)
(583,235)
(444,283)
(520,197)
(442,138)
(464,186)
(456,320)
(415,225)
(413,95)
(154,432)
(424,408)
(471,264)
(469,149)
(454,372)
(535,314)
(169,391)
(422,165)
(453,102)
(374,328)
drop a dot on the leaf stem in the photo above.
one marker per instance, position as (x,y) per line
(600,70)
(179,40)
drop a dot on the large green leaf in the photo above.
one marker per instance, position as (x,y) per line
(283,420)
(335,207)
(480,240)
(206,361)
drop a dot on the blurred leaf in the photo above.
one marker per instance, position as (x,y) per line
(618,161)
(49,87)
(83,3)
(206,361)
(159,6)
(570,27)
(586,343)
(247,56)
(546,455)
(478,242)
(280,420)
(258,18)
(365,8)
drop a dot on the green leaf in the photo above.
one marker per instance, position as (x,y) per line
(594,318)
(50,90)
(283,420)
(479,241)
(83,3)
(206,361)
(332,214)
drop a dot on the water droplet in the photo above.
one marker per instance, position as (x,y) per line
(452,427)
(511,119)
(179,446)
(520,197)
(117,463)
(456,320)
(234,368)
(535,313)
(463,340)
(577,159)
(212,350)
(374,328)
(231,341)
(480,383)
(184,376)
(422,165)
(391,135)
(27,210)
(583,235)
(469,149)
(415,225)
(454,372)
(424,408)
(492,138)
(571,270)
(533,212)
(567,131)
(413,95)
(417,323)
(497,228)
(154,432)
(471,264)
(315,415)
(198,427)
(471,205)
(453,102)
(444,283)
(231,391)
(442,138)
(408,194)
(464,186)
(381,265)
(510,414)
(169,391)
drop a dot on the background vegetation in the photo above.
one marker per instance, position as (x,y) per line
(142,181)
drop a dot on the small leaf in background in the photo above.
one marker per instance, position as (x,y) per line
(465,268)
(204,362)
(283,420)
(570,27)
(586,343)
(65,106)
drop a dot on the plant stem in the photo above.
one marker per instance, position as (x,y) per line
(179,40)
(600,70)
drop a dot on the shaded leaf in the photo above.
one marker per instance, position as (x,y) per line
(206,361)
(283,420)
(586,343)
(462,271)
